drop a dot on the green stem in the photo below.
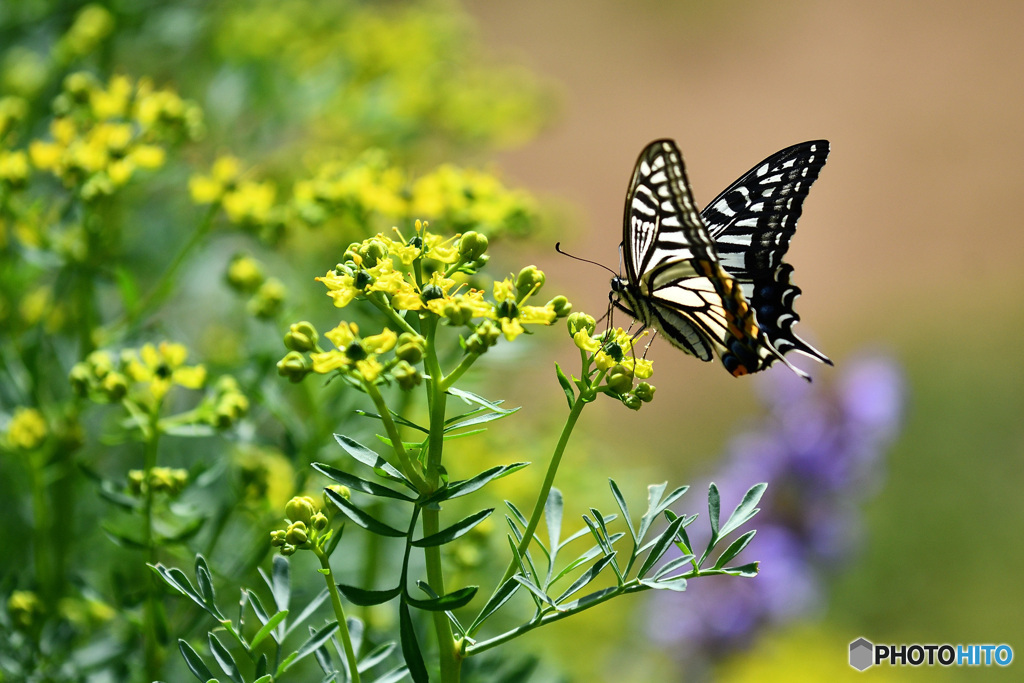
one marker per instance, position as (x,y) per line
(407,466)
(42,533)
(375,298)
(339,612)
(451,663)
(466,362)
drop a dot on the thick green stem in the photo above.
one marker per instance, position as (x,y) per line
(339,612)
(406,465)
(151,645)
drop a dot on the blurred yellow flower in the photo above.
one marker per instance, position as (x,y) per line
(27,429)
(163,366)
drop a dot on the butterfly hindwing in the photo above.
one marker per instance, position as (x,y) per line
(752,223)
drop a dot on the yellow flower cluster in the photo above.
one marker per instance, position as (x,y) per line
(27,429)
(143,375)
(244,201)
(612,354)
(103,135)
(468,199)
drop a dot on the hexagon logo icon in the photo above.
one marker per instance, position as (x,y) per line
(861,654)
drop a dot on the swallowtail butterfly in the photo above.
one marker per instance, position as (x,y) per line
(714,282)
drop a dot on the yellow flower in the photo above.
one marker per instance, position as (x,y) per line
(112,102)
(251,202)
(385,278)
(370,368)
(585,342)
(511,328)
(537,315)
(342,335)
(27,429)
(406,299)
(163,366)
(148,156)
(223,175)
(439,249)
(504,290)
(380,343)
(340,287)
(329,361)
(45,156)
(13,166)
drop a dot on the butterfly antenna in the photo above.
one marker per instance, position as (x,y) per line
(558,248)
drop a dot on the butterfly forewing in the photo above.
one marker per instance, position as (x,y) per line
(752,223)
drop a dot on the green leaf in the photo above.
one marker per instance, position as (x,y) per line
(356,484)
(127,286)
(449,534)
(194,662)
(734,549)
(204,580)
(469,397)
(745,510)
(224,658)
(536,590)
(396,417)
(410,646)
(257,606)
(566,385)
(586,530)
(747,570)
(654,494)
(367,598)
(621,502)
(361,518)
(451,601)
(589,598)
(676,583)
(466,486)
(480,419)
(279,582)
(671,566)
(376,656)
(267,678)
(268,627)
(518,515)
(184,533)
(462,435)
(661,545)
(394,675)
(371,459)
(494,603)
(586,577)
(315,640)
(553,508)
(177,580)
(123,538)
(714,509)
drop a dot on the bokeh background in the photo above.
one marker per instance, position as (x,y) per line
(910,243)
(908,255)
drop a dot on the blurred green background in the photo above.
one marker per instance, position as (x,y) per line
(910,242)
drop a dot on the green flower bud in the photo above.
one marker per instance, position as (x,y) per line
(645,392)
(296,534)
(136,480)
(80,377)
(244,274)
(431,292)
(632,402)
(472,246)
(288,550)
(410,347)
(372,251)
(530,279)
(561,305)
(268,300)
(620,379)
(320,521)
(581,321)
(277,538)
(300,509)
(342,491)
(457,315)
(407,376)
(301,336)
(294,366)
(485,336)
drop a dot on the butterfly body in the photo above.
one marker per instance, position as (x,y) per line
(714,282)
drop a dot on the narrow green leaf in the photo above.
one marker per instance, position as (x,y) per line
(676,583)
(462,435)
(204,580)
(469,397)
(268,627)
(376,656)
(361,518)
(714,509)
(224,658)
(266,678)
(315,640)
(671,566)
(734,549)
(745,510)
(747,570)
(356,484)
(280,583)
(536,590)
(194,662)
(257,607)
(662,544)
(566,385)
(396,417)
(589,598)
(371,459)
(366,598)
(654,494)
(621,502)
(520,517)
(479,419)
(411,646)
(449,534)
(586,530)
(127,286)
(500,597)
(451,601)
(184,533)
(123,538)
(461,488)
(553,508)
(394,675)
(585,578)
(177,580)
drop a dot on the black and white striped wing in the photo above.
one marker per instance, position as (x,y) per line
(673,270)
(752,223)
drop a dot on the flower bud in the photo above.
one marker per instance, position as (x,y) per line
(372,251)
(620,379)
(319,521)
(581,321)
(114,386)
(296,534)
(645,392)
(472,246)
(268,300)
(561,306)
(530,280)
(80,377)
(244,274)
(300,509)
(294,366)
(632,401)
(410,347)
(342,491)
(485,336)
(457,314)
(277,538)
(406,375)
(431,292)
